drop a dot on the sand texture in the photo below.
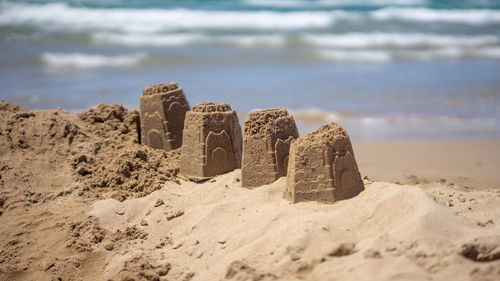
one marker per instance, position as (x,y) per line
(322,167)
(211,141)
(81,199)
(163,109)
(267,137)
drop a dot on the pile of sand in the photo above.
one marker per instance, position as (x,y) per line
(100,145)
(113,159)
(81,199)
(223,231)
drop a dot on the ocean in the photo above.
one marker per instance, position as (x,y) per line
(383,69)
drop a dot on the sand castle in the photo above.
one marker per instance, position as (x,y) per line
(163,109)
(267,137)
(211,141)
(322,167)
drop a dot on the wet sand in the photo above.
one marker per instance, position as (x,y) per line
(474,163)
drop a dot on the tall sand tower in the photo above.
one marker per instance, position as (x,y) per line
(322,167)
(211,141)
(267,137)
(163,109)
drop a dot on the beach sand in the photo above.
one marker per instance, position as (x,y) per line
(81,199)
(469,163)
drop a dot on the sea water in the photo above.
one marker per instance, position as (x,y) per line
(383,69)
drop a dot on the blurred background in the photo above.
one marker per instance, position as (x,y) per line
(384,69)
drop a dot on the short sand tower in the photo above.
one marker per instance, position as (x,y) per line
(266,142)
(322,167)
(163,109)
(211,141)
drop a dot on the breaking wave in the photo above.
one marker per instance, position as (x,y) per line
(470,16)
(81,60)
(397,40)
(330,3)
(382,56)
(61,16)
(183,39)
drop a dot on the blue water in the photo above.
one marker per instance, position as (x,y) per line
(384,69)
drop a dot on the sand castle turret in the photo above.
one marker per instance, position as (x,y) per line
(266,141)
(211,141)
(163,109)
(322,167)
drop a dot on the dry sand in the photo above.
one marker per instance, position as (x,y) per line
(80,199)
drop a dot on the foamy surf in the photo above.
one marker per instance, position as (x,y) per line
(330,3)
(81,60)
(469,16)
(186,39)
(368,126)
(313,115)
(398,40)
(376,56)
(63,16)
(383,56)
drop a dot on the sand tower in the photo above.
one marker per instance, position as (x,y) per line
(163,109)
(322,167)
(211,141)
(266,141)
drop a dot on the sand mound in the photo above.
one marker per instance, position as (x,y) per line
(52,164)
(113,161)
(99,150)
(389,231)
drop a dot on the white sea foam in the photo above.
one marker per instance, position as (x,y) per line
(149,39)
(491,53)
(450,53)
(272,40)
(321,116)
(316,115)
(60,15)
(382,56)
(397,40)
(81,60)
(183,39)
(375,56)
(331,3)
(347,40)
(64,17)
(470,16)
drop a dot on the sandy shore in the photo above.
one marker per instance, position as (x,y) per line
(80,199)
(473,163)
